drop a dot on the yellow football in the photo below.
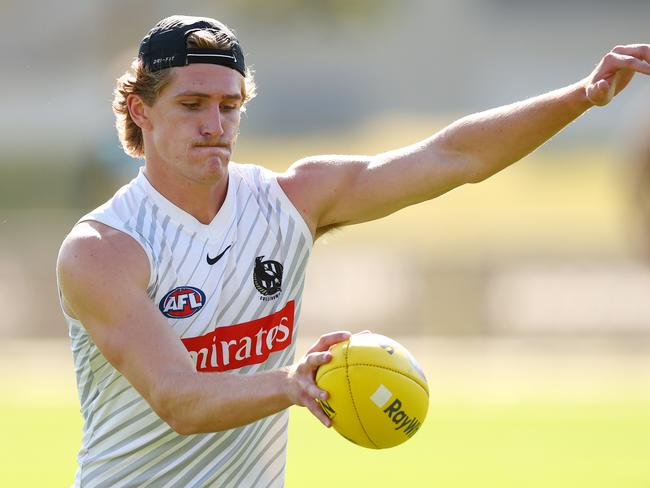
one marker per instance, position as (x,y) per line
(378,395)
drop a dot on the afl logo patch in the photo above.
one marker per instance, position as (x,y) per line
(182,302)
(267,277)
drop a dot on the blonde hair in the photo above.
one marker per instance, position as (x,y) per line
(147,85)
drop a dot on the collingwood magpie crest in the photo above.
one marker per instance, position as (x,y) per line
(267,278)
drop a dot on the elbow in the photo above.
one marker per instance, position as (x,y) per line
(178,423)
(185,424)
(173,409)
(180,408)
(464,167)
(475,170)
(182,429)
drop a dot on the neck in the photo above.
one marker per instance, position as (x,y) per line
(202,200)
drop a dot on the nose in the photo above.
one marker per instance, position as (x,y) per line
(211,125)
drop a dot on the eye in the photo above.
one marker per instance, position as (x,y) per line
(191,105)
(229,107)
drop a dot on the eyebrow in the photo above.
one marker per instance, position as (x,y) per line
(228,96)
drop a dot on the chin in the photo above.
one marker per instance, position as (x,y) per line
(215,168)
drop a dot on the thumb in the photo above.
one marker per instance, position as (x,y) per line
(600,93)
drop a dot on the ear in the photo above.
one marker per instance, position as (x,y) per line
(138,111)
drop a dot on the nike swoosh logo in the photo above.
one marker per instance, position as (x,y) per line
(213,260)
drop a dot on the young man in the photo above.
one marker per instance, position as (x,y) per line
(182,292)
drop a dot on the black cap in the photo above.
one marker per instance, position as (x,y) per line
(165,45)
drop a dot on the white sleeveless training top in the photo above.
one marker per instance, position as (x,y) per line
(231,291)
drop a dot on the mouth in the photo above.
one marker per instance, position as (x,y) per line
(216,147)
(222,146)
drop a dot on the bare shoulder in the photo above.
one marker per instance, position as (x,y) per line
(100,247)
(316,183)
(95,258)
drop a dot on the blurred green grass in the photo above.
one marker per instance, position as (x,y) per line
(526,443)
(39,444)
(465,445)
(488,445)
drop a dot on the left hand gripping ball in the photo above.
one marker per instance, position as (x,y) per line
(378,393)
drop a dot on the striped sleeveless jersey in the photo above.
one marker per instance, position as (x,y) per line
(231,291)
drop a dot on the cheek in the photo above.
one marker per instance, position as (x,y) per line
(173,140)
(233,122)
(176,129)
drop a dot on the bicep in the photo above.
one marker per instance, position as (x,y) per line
(343,190)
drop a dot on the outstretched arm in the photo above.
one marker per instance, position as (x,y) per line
(339,190)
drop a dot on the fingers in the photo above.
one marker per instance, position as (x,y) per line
(305,374)
(328,340)
(312,392)
(316,359)
(307,393)
(305,390)
(313,406)
(307,371)
(317,356)
(600,93)
(633,59)
(615,71)
(639,51)
(304,377)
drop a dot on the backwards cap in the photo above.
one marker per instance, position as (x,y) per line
(165,45)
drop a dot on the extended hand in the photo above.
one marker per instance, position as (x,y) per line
(615,71)
(302,375)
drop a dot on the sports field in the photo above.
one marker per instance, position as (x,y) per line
(504,413)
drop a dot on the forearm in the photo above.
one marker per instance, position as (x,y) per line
(209,402)
(467,151)
(489,141)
